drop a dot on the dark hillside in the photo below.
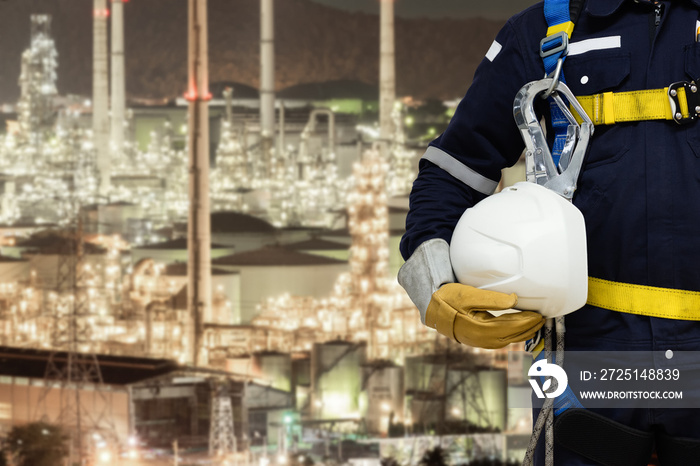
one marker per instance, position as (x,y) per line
(435,58)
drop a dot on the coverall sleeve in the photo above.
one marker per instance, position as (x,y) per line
(480,140)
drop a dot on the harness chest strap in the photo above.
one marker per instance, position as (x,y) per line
(644,300)
(679,102)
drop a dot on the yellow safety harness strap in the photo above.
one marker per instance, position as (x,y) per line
(567,27)
(644,300)
(609,108)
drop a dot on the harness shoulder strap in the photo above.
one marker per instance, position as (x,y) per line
(561,16)
(679,101)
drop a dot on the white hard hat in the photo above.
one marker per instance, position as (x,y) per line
(525,240)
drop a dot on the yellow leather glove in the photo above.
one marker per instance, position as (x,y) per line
(460,313)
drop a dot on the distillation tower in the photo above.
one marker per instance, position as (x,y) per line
(35,109)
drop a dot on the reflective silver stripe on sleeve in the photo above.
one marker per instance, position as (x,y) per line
(460,171)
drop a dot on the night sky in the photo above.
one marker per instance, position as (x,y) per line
(492,9)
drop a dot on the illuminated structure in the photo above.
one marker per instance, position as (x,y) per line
(307,187)
(366,304)
(369,227)
(391,134)
(231,177)
(37,83)
(365,326)
(402,160)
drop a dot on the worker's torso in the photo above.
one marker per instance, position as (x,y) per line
(640,186)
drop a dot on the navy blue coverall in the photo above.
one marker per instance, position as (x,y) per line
(639,188)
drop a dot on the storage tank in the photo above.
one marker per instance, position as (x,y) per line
(474,393)
(13,270)
(477,395)
(383,389)
(424,379)
(336,379)
(425,373)
(274,367)
(301,380)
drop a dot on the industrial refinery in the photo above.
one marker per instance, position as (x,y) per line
(214,281)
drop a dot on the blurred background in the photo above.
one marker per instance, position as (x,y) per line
(200,209)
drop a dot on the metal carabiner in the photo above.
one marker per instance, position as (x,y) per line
(555,76)
(539,162)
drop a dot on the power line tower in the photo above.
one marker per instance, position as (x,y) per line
(222,440)
(468,387)
(84,408)
(74,395)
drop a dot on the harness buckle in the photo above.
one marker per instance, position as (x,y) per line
(691,101)
(555,43)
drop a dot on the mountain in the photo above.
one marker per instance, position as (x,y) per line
(314,43)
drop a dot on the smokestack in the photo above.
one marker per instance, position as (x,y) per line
(280,140)
(228,99)
(100,93)
(267,80)
(199,228)
(387,73)
(118,86)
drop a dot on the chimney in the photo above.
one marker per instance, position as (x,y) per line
(100,94)
(199,226)
(267,81)
(387,73)
(118,86)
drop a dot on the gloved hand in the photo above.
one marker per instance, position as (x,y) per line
(460,313)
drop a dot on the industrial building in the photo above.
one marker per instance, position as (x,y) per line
(154,401)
